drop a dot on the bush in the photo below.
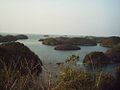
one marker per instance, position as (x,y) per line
(71,78)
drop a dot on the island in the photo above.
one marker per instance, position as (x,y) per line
(111,56)
(96,59)
(50,41)
(69,40)
(110,41)
(65,47)
(12,38)
(8,38)
(46,35)
(21,36)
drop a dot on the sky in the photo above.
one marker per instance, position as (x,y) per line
(64,17)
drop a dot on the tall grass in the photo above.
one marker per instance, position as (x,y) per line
(68,77)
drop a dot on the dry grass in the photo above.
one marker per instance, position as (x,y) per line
(67,78)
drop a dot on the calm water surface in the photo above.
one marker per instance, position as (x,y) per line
(48,54)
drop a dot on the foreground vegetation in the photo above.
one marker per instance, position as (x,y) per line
(68,77)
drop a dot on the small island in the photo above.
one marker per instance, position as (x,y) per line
(68,47)
(96,59)
(46,35)
(111,56)
(21,36)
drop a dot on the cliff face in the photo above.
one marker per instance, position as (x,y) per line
(20,58)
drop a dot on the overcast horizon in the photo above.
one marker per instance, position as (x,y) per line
(61,17)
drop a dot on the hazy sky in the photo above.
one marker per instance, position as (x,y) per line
(76,17)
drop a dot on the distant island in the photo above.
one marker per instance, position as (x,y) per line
(68,40)
(61,42)
(9,38)
(110,41)
(66,47)
(46,35)
(68,43)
